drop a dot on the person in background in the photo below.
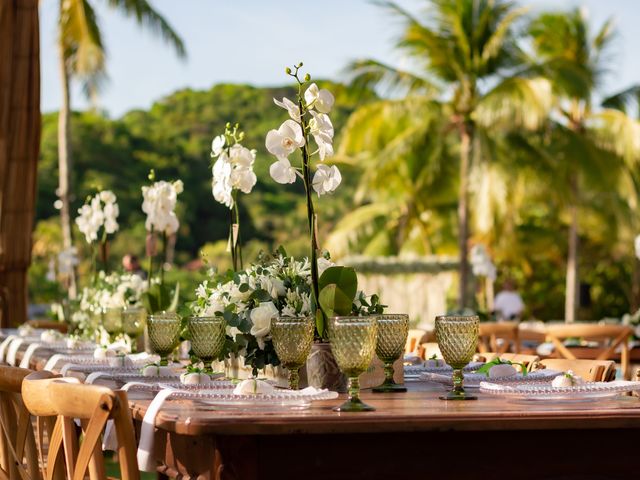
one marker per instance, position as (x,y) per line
(508,304)
(131,264)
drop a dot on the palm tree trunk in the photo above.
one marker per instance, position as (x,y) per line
(572,279)
(64,164)
(463,213)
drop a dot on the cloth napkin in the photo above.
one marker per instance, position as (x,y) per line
(146,458)
(26,359)
(4,345)
(53,361)
(13,351)
(110,439)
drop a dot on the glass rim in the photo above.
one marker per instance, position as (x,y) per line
(354,320)
(393,316)
(164,317)
(458,318)
(283,318)
(205,318)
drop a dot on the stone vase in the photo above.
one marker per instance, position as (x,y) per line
(322,369)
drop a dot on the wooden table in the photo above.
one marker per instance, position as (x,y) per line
(410,434)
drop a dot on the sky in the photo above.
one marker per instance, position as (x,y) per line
(251,41)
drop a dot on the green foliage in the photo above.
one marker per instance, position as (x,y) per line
(160,298)
(337,288)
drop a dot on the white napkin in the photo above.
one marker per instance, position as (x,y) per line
(95,376)
(4,345)
(146,459)
(26,359)
(110,439)
(53,361)
(13,351)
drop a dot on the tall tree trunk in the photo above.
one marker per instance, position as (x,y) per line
(64,164)
(463,213)
(572,279)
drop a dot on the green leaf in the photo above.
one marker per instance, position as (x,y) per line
(174,301)
(261,296)
(282,251)
(344,277)
(334,302)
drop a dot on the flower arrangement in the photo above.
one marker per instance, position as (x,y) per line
(114,290)
(97,219)
(232,172)
(159,203)
(308,118)
(274,286)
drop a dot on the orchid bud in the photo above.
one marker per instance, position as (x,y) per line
(228,125)
(288,71)
(307,77)
(300,65)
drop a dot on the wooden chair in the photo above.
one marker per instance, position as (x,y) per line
(93,406)
(529,361)
(18,452)
(414,339)
(491,332)
(612,336)
(589,370)
(430,349)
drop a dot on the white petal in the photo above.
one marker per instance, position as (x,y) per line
(282,171)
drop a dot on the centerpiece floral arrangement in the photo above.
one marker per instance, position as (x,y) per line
(114,290)
(232,172)
(248,300)
(159,204)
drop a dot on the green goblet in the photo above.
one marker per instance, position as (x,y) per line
(207,338)
(112,321)
(134,320)
(164,334)
(457,337)
(392,337)
(353,341)
(292,338)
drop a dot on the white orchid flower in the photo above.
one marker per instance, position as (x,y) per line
(282,171)
(321,128)
(242,156)
(217,145)
(289,106)
(159,204)
(107,196)
(221,183)
(319,98)
(243,179)
(285,140)
(326,179)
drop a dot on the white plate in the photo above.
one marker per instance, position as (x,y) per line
(211,394)
(589,391)
(417,370)
(473,380)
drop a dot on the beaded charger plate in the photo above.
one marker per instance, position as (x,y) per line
(219,396)
(473,380)
(590,391)
(414,372)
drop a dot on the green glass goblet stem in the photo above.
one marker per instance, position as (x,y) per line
(292,339)
(457,337)
(164,334)
(207,338)
(392,337)
(353,342)
(134,320)
(112,321)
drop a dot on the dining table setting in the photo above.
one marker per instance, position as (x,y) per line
(198,422)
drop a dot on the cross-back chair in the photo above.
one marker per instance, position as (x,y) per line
(18,451)
(589,370)
(93,406)
(414,339)
(612,336)
(490,334)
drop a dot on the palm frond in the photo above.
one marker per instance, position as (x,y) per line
(617,132)
(625,100)
(367,73)
(80,38)
(147,16)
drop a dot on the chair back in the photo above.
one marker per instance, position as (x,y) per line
(490,334)
(612,336)
(529,361)
(430,349)
(93,405)
(47,325)
(414,339)
(18,452)
(589,370)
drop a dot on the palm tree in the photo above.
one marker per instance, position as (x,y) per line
(82,56)
(575,61)
(464,54)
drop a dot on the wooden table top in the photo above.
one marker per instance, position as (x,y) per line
(420,409)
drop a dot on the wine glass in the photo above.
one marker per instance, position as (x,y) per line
(457,337)
(133,322)
(112,321)
(292,338)
(207,338)
(353,341)
(392,338)
(164,334)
